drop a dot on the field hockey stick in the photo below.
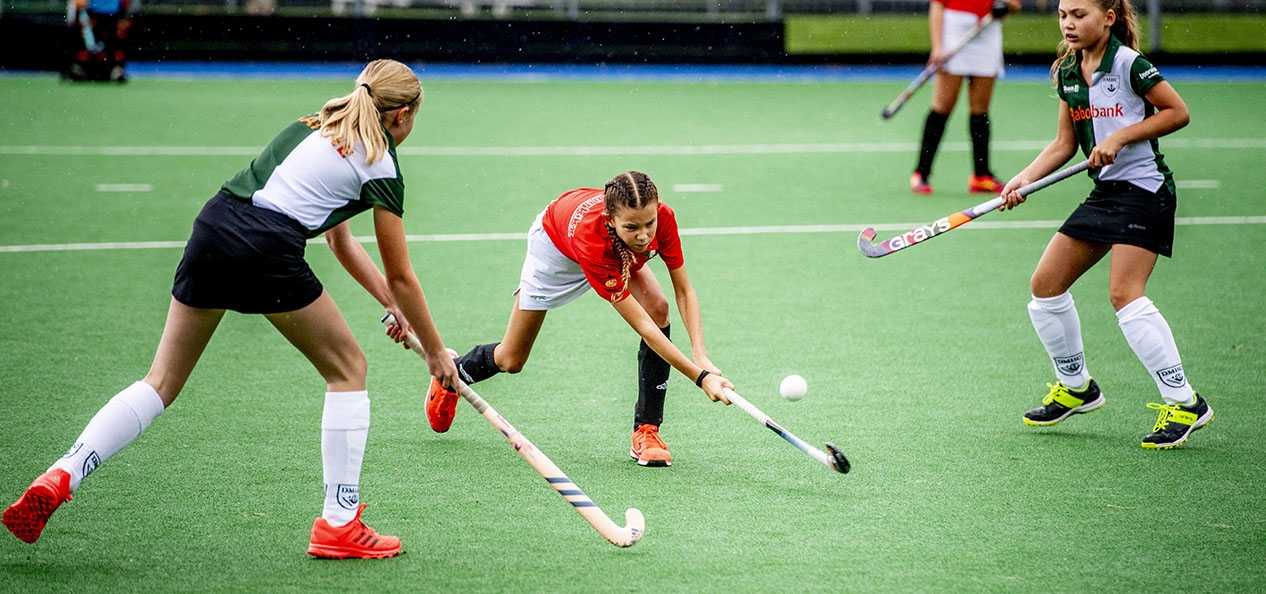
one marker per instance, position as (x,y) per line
(865,241)
(85,29)
(931,69)
(620,536)
(834,460)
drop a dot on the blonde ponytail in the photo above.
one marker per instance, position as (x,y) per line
(383,86)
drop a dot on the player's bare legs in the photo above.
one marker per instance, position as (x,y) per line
(319,331)
(185,337)
(516,346)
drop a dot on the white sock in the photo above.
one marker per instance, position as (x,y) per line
(344,431)
(1149,335)
(119,422)
(1059,328)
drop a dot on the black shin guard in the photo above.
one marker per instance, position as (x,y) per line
(979,129)
(478,365)
(933,130)
(652,385)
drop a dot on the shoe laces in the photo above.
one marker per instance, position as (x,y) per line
(648,437)
(1170,412)
(1057,389)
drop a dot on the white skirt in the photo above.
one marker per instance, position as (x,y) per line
(981,56)
(549,279)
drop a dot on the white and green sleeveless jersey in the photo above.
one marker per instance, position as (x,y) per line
(1113,100)
(302,175)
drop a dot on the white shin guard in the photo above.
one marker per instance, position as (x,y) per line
(344,431)
(1059,328)
(1149,336)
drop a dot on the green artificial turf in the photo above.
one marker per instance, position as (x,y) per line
(919,364)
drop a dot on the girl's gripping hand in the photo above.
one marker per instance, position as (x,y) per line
(714,385)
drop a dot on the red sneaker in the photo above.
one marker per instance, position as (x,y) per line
(27,516)
(353,541)
(648,448)
(441,406)
(919,184)
(984,184)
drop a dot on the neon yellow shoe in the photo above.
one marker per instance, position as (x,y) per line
(1176,423)
(1063,402)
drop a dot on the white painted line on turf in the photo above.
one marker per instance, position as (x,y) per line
(125,187)
(685,188)
(591,151)
(1198,184)
(696,231)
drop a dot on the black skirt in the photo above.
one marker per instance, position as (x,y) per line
(246,259)
(1121,212)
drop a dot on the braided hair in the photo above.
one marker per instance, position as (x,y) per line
(634,190)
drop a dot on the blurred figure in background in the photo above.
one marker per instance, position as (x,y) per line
(97,35)
(980,61)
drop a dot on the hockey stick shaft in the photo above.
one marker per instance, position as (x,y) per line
(620,536)
(931,69)
(865,241)
(834,460)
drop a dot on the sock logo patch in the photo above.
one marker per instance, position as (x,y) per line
(1070,365)
(348,496)
(1172,376)
(663,386)
(91,463)
(74,449)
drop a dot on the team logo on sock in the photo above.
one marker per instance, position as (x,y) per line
(1070,366)
(91,463)
(348,496)
(663,386)
(74,449)
(1172,376)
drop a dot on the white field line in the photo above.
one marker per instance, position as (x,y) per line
(125,187)
(756,230)
(590,151)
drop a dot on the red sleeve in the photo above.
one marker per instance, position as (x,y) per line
(668,239)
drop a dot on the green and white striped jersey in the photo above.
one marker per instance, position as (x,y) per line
(1113,100)
(302,175)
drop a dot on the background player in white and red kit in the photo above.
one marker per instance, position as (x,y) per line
(980,62)
(602,239)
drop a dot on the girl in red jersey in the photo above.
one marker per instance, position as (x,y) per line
(980,61)
(602,239)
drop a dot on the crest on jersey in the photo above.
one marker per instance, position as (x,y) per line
(611,283)
(1111,82)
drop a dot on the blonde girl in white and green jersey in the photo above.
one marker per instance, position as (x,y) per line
(246,254)
(1114,105)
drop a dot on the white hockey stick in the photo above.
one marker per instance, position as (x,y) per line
(835,459)
(620,536)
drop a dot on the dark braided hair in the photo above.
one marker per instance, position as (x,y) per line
(631,189)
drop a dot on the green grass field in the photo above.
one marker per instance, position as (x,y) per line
(919,364)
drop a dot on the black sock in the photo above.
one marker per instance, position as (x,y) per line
(933,129)
(478,365)
(652,384)
(979,128)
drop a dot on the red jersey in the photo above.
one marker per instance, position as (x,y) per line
(575,224)
(979,8)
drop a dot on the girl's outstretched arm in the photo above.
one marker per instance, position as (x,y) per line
(645,327)
(1058,152)
(692,317)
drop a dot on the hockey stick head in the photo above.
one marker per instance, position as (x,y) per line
(866,243)
(634,528)
(838,461)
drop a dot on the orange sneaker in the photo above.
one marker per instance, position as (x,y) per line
(984,184)
(353,541)
(441,406)
(27,516)
(919,184)
(648,448)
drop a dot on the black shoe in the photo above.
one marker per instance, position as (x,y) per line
(1176,422)
(1062,403)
